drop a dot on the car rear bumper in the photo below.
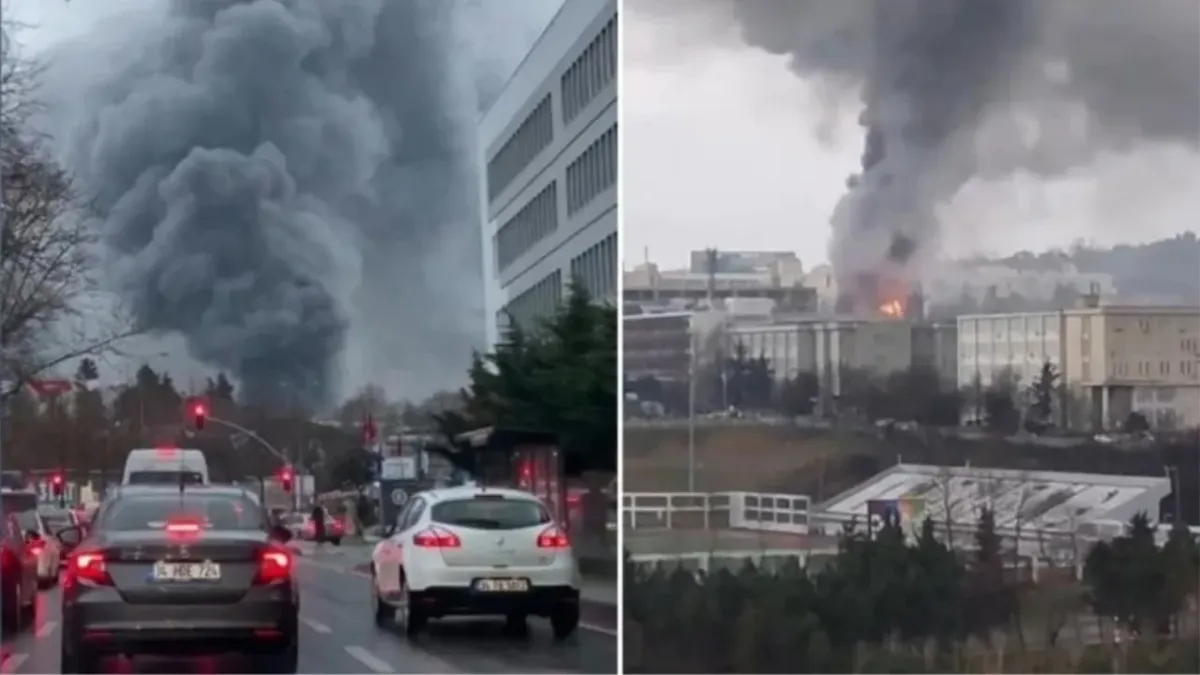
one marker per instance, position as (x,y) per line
(253,626)
(539,601)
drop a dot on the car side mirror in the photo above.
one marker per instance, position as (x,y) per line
(281,534)
(70,536)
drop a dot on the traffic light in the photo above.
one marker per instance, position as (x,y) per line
(286,478)
(56,484)
(199,413)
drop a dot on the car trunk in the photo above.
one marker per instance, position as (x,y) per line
(131,557)
(498,549)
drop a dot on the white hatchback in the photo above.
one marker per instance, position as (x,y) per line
(475,551)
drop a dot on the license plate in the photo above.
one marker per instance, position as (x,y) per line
(202,571)
(502,585)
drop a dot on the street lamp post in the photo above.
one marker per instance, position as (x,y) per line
(280,455)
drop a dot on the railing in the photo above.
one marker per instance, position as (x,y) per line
(758,511)
(708,561)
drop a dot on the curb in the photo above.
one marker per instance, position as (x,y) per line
(602,615)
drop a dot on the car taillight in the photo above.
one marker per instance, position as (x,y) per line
(90,566)
(553,537)
(274,564)
(36,547)
(436,538)
(183,528)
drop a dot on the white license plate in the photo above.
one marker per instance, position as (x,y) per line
(203,571)
(502,585)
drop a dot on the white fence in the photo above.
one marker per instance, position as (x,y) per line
(758,511)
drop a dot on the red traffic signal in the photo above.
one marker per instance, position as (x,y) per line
(198,409)
(286,478)
(56,484)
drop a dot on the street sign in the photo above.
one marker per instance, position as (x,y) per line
(398,468)
(399,497)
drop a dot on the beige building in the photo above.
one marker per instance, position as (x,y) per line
(1113,360)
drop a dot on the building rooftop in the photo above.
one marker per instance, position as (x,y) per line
(1036,500)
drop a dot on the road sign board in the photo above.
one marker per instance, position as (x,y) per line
(51,387)
(399,497)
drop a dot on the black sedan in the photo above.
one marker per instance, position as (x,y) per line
(167,571)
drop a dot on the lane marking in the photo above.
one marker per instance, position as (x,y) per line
(369,660)
(45,629)
(316,625)
(12,662)
(591,628)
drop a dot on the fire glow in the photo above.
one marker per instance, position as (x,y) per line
(893,309)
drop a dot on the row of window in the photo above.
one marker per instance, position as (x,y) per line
(590,73)
(533,135)
(540,299)
(1147,369)
(534,222)
(593,171)
(596,268)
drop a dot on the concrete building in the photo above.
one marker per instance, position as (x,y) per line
(660,345)
(1112,360)
(741,261)
(828,348)
(550,148)
(782,283)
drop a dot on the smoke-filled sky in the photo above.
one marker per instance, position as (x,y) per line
(289,185)
(1005,125)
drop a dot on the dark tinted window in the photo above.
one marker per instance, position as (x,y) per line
(151,512)
(490,513)
(164,477)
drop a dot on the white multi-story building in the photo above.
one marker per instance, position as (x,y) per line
(550,184)
(1112,360)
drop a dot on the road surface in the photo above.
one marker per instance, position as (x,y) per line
(337,635)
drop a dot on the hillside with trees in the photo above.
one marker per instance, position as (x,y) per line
(1163,267)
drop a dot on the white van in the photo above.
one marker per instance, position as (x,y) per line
(168,466)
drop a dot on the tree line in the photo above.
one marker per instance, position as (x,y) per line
(894,603)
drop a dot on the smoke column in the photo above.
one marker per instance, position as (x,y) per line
(291,184)
(958,89)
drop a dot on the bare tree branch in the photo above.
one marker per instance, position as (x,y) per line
(48,313)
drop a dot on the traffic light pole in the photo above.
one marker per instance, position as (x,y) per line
(261,441)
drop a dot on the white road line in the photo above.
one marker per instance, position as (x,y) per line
(12,662)
(369,660)
(45,629)
(316,625)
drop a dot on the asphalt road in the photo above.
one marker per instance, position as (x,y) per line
(338,636)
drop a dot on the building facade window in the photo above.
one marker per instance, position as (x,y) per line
(534,222)
(596,268)
(590,73)
(539,300)
(593,172)
(534,134)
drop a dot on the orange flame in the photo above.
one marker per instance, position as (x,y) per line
(893,309)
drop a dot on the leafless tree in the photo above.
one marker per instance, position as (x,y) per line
(50,304)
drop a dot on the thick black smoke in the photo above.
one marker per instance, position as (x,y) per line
(291,185)
(958,89)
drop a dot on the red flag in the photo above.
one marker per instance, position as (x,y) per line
(368,429)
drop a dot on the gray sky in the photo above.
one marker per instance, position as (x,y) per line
(723,146)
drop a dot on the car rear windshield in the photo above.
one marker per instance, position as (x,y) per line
(165,477)
(152,512)
(487,512)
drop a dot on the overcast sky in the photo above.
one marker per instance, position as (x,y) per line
(723,146)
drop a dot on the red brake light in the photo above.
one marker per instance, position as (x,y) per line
(436,538)
(91,567)
(274,564)
(183,528)
(553,537)
(36,547)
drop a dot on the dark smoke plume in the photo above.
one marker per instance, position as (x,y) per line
(291,185)
(958,89)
